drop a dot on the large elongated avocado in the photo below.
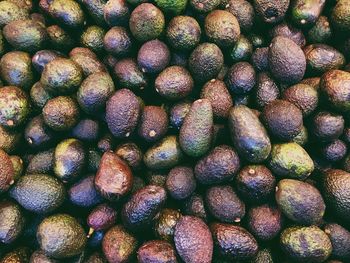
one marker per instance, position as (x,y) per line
(248,134)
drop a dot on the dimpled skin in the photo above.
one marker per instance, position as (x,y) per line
(122,113)
(129,74)
(155,251)
(234,242)
(164,226)
(300,202)
(243,11)
(61,236)
(67,12)
(337,191)
(117,41)
(271,11)
(153,56)
(102,217)
(303,96)
(180,182)
(286,60)
(204,6)
(12,222)
(143,206)
(193,240)
(39,193)
(340,238)
(9,12)
(306,244)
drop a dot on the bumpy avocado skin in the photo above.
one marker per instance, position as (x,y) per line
(164,226)
(173,7)
(248,134)
(271,11)
(291,160)
(68,13)
(156,251)
(12,222)
(204,6)
(306,12)
(61,236)
(9,140)
(340,16)
(9,12)
(59,38)
(197,129)
(92,38)
(299,243)
(321,32)
(18,255)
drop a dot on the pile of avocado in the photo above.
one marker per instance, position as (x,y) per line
(169,131)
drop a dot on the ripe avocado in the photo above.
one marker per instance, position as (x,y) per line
(306,12)
(59,38)
(10,11)
(172,7)
(92,38)
(116,12)
(156,251)
(131,154)
(7,172)
(129,75)
(68,13)
(37,134)
(240,78)
(340,16)
(243,11)
(180,182)
(271,11)
(12,222)
(153,56)
(165,223)
(321,32)
(340,239)
(266,91)
(41,163)
(327,126)
(117,41)
(84,194)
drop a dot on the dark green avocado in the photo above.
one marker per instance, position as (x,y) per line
(12,223)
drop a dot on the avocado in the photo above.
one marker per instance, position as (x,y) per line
(41,163)
(290,160)
(96,257)
(183,33)
(340,239)
(102,217)
(219,165)
(327,126)
(129,75)
(302,138)
(334,151)
(222,28)
(263,256)
(61,76)
(61,236)
(114,178)
(265,222)
(142,207)
(243,11)
(165,223)
(336,192)
(16,69)
(259,59)
(248,134)
(306,12)
(313,82)
(271,11)
(196,132)
(193,240)
(303,96)
(122,113)
(18,255)
(92,38)
(333,86)
(224,205)
(59,38)
(28,5)
(287,30)
(9,140)
(321,58)
(95,9)
(68,13)
(69,159)
(42,57)
(240,78)
(266,90)
(255,183)
(18,168)
(194,206)
(116,12)
(39,193)
(156,251)
(172,7)
(180,182)
(178,113)
(205,62)
(91,101)
(204,6)
(14,107)
(321,32)
(174,83)
(84,194)
(242,50)
(286,60)
(86,130)
(26,35)
(117,41)
(233,242)
(340,16)
(12,223)
(106,143)
(153,56)
(283,119)
(157,178)
(39,256)
(10,11)
(299,244)
(131,154)
(300,201)
(37,134)
(118,245)
(146,22)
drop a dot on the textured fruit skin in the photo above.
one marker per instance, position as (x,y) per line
(12,222)
(42,57)
(290,160)
(219,165)
(61,236)
(340,16)
(102,217)
(193,240)
(335,84)
(172,7)
(84,194)
(300,201)
(267,90)
(180,182)
(118,245)
(116,12)
(340,239)
(41,163)
(204,6)
(7,172)
(142,207)
(122,113)
(248,134)
(9,12)
(131,154)
(299,244)
(240,78)
(92,38)
(164,226)
(117,41)
(242,50)
(37,134)
(146,22)
(156,251)
(68,13)
(224,204)
(321,32)
(18,255)
(114,177)
(287,30)
(286,60)
(153,56)
(89,63)
(336,192)
(243,11)
(305,13)
(197,129)
(233,242)
(271,11)
(39,193)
